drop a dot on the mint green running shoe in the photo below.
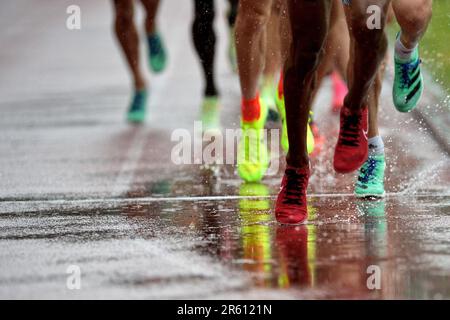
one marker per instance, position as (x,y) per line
(370,181)
(136,112)
(408,83)
(157,53)
(210,114)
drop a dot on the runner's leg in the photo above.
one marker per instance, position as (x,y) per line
(368,46)
(309,24)
(413,17)
(273,64)
(253,158)
(251,22)
(128,38)
(204,39)
(157,51)
(151,9)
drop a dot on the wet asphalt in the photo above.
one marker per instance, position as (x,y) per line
(81,187)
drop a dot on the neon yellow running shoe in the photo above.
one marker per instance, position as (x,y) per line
(269,96)
(210,114)
(284,135)
(252,154)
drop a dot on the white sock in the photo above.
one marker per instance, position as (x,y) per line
(376,146)
(403,52)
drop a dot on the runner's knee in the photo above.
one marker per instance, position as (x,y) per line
(414,15)
(124,15)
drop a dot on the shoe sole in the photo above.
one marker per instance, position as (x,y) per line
(136,119)
(347,171)
(370,196)
(293,224)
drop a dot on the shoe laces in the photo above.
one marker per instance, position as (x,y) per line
(368,170)
(350,129)
(138,102)
(405,70)
(295,186)
(155,45)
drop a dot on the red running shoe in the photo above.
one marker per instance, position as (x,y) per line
(352,147)
(291,202)
(319,139)
(340,90)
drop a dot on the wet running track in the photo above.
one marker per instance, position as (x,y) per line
(80,188)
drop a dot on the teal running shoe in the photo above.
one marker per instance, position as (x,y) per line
(157,53)
(137,110)
(408,83)
(370,181)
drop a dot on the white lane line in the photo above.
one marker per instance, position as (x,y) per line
(204,198)
(127,171)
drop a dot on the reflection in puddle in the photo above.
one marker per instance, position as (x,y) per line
(331,254)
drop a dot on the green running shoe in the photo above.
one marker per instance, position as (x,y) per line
(210,114)
(252,154)
(284,133)
(408,83)
(370,181)
(268,95)
(136,112)
(157,53)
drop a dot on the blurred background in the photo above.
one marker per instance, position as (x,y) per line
(436,45)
